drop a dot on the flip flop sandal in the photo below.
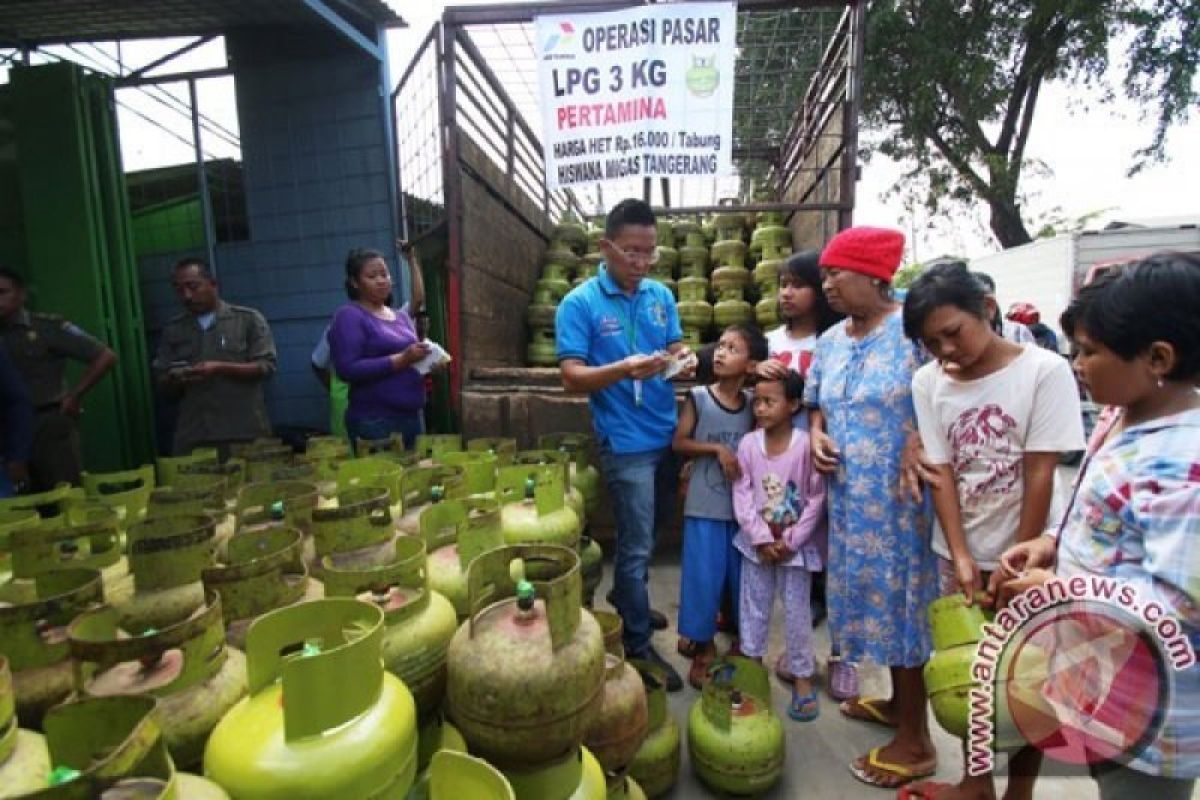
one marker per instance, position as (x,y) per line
(804,707)
(903,772)
(686,647)
(926,790)
(870,711)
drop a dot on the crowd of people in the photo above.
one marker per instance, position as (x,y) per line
(212,362)
(860,461)
(895,453)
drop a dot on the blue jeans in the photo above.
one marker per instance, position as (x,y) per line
(408,425)
(640,489)
(6,487)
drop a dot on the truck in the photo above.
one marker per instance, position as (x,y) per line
(1048,272)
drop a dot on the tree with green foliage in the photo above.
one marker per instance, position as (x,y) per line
(953,85)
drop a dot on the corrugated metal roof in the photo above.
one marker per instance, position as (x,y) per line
(37,22)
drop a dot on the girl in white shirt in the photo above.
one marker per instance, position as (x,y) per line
(993,417)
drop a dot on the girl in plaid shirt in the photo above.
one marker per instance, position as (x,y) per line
(1135,514)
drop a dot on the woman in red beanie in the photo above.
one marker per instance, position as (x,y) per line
(881,571)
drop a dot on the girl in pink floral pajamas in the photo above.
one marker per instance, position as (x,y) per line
(779,502)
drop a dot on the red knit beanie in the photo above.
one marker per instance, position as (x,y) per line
(875,252)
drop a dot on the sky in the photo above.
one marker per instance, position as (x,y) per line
(1085,145)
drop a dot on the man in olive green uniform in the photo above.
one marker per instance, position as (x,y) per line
(39,345)
(215,357)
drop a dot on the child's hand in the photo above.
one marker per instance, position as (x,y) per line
(771,370)
(1032,554)
(766,553)
(969,578)
(782,552)
(1022,583)
(729,464)
(824,452)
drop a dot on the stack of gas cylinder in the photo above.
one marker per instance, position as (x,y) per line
(317,625)
(722,271)
(566,263)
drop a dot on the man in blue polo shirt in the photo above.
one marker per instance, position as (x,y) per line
(617,334)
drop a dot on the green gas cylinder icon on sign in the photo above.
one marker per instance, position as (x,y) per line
(703,77)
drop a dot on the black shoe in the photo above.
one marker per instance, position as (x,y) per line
(674,682)
(658,620)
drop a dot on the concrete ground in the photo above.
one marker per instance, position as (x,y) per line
(818,752)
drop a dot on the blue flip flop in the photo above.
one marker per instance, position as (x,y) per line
(804,707)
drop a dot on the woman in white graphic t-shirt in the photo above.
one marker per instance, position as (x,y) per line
(806,315)
(993,417)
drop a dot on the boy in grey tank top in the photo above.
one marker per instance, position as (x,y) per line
(711,424)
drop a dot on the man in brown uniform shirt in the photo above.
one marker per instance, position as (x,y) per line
(216,356)
(39,345)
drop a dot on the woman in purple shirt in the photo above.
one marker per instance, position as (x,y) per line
(374,348)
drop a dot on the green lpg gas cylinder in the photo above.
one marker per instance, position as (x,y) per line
(166,556)
(619,726)
(583,474)
(436,736)
(733,312)
(420,622)
(624,787)
(542,350)
(90,537)
(323,719)
(526,671)
(232,474)
(571,232)
(167,467)
(479,470)
(199,495)
(358,531)
(735,740)
(263,458)
(656,765)
(425,486)
(563,458)
(127,491)
(373,471)
(113,748)
(50,506)
(730,253)
(771,232)
(766,312)
(956,628)
(575,776)
(534,507)
(429,445)
(504,448)
(24,759)
(591,559)
(694,257)
(34,615)
(187,666)
(10,521)
(455,532)
(259,571)
(273,504)
(456,776)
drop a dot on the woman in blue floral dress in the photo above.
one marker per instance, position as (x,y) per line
(881,571)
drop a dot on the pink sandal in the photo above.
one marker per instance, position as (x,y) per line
(843,679)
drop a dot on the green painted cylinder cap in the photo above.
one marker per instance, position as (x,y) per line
(60,775)
(530,486)
(437,492)
(277,509)
(525,595)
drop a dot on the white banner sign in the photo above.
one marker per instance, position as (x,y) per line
(644,92)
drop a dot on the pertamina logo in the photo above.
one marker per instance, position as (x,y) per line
(563,38)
